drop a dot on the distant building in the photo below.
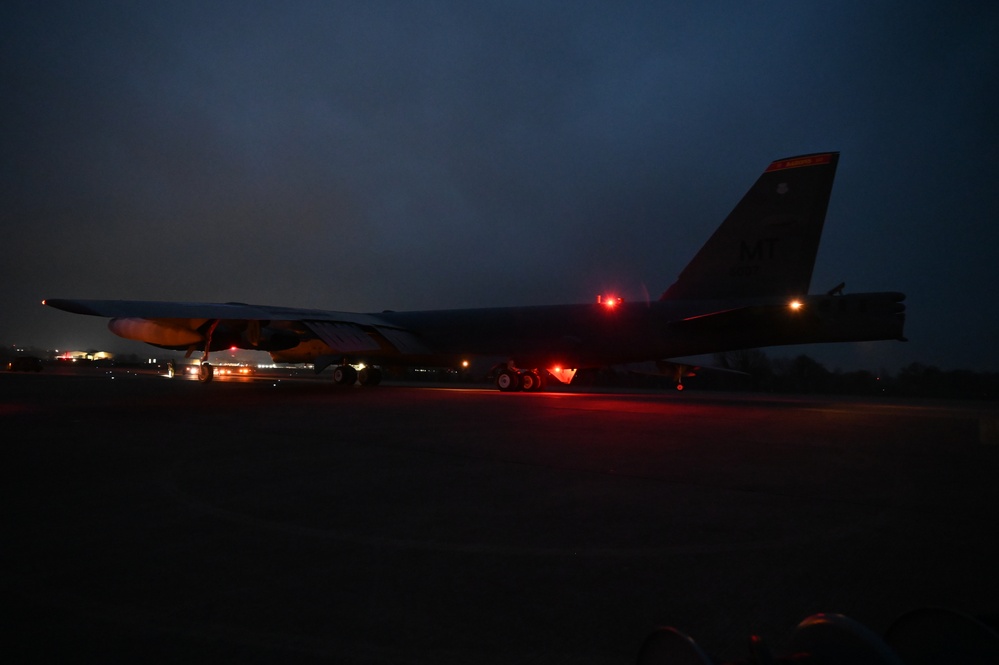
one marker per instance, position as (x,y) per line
(84,355)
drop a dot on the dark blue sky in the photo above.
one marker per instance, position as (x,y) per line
(418,155)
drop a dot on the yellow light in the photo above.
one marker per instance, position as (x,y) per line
(795,305)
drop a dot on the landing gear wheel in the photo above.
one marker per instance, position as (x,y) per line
(206,373)
(370,376)
(344,375)
(530,381)
(542,383)
(508,381)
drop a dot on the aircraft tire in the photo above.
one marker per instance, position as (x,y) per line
(508,381)
(206,373)
(370,376)
(530,381)
(541,382)
(344,375)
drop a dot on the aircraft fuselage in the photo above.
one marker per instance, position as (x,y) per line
(592,335)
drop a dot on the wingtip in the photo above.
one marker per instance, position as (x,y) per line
(72,306)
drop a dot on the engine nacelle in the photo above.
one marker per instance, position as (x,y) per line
(160,332)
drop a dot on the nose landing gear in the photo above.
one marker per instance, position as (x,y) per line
(205,371)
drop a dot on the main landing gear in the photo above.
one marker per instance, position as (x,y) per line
(348,375)
(510,379)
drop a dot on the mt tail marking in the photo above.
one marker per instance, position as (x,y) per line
(767,245)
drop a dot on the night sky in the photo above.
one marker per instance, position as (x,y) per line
(426,155)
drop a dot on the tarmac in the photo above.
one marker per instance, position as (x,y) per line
(281,519)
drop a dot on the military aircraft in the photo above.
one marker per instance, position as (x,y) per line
(747,287)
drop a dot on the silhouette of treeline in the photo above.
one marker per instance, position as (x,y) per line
(753,371)
(803,374)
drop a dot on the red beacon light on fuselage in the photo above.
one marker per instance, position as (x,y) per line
(609,302)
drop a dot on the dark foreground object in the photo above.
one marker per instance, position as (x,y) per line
(923,636)
(156,520)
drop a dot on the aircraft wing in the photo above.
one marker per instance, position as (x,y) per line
(168,323)
(157,309)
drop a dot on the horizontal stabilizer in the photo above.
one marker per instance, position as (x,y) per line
(739,318)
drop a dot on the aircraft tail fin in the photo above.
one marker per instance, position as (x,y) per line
(768,243)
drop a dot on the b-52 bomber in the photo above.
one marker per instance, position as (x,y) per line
(747,287)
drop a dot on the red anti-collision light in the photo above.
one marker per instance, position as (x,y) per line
(610,302)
